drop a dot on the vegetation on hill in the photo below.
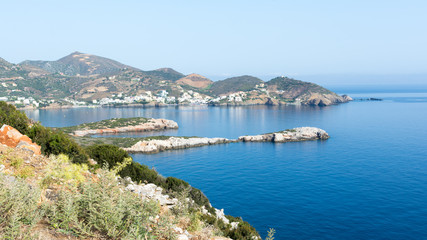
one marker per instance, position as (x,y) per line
(292,85)
(235,84)
(164,74)
(108,123)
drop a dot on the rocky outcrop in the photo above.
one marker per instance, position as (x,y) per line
(11,137)
(291,135)
(151,125)
(154,146)
(347,98)
(317,99)
(151,191)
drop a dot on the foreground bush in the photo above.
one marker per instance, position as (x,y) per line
(11,116)
(105,154)
(56,142)
(19,211)
(102,209)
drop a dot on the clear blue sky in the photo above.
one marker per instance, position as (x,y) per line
(224,38)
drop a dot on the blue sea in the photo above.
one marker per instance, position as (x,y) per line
(368,181)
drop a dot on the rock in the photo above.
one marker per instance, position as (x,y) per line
(151,191)
(182,237)
(178,230)
(292,135)
(11,137)
(220,215)
(347,98)
(234,225)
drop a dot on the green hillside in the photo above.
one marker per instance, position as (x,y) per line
(235,84)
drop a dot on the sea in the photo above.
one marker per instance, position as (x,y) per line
(368,181)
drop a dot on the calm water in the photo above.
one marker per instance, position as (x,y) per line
(368,181)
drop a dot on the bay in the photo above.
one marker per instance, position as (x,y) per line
(368,181)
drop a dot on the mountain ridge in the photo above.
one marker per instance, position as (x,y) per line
(89,78)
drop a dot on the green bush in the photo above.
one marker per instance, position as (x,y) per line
(56,142)
(18,208)
(101,208)
(105,154)
(11,116)
(243,231)
(176,184)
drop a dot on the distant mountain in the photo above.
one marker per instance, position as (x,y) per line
(195,80)
(235,84)
(5,65)
(86,77)
(78,63)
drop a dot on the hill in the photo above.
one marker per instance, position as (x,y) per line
(290,89)
(82,79)
(195,80)
(164,74)
(78,63)
(235,84)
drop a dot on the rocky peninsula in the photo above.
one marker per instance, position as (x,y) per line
(121,125)
(171,143)
(155,146)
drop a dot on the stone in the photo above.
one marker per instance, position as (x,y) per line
(11,137)
(182,237)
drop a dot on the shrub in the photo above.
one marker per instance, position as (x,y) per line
(243,231)
(113,156)
(176,184)
(61,171)
(106,154)
(18,208)
(56,142)
(11,116)
(103,208)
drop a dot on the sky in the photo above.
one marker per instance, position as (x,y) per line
(349,41)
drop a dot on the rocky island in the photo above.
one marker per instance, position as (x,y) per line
(121,125)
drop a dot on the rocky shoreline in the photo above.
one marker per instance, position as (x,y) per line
(151,125)
(172,143)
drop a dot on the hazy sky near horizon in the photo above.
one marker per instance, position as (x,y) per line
(225,38)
